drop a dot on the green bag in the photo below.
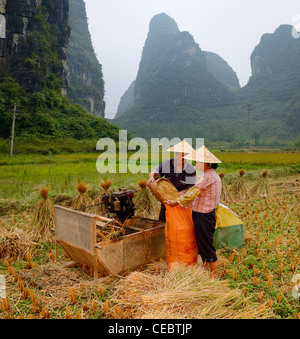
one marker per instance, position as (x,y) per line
(229,232)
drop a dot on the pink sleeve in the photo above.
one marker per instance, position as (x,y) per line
(205,181)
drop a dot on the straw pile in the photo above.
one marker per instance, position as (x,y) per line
(43,219)
(239,187)
(105,189)
(261,188)
(145,203)
(164,190)
(15,244)
(82,200)
(225,194)
(63,199)
(181,293)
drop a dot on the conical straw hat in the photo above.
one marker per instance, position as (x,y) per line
(182,147)
(203,155)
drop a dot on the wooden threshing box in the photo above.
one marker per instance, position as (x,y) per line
(143,242)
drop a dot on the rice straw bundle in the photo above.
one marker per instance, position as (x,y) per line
(182,293)
(82,200)
(106,185)
(261,188)
(239,187)
(225,194)
(105,189)
(145,203)
(142,184)
(43,220)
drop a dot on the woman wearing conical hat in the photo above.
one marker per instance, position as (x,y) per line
(181,174)
(205,197)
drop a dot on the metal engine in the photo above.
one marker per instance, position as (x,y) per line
(120,203)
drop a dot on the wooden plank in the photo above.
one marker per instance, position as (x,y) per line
(80,257)
(69,264)
(157,245)
(144,223)
(133,250)
(138,229)
(111,255)
(104,219)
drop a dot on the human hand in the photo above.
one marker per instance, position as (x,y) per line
(151,179)
(171,203)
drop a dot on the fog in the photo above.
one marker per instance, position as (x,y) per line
(230,28)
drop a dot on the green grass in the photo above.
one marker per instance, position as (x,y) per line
(22,176)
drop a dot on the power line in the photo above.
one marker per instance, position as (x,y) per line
(13,132)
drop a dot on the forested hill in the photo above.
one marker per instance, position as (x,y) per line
(85,80)
(34,73)
(181,91)
(216,65)
(173,71)
(275,64)
(221,70)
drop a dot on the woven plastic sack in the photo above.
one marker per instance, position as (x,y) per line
(229,232)
(181,244)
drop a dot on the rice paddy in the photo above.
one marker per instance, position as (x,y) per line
(255,282)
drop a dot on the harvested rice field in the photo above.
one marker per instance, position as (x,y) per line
(259,281)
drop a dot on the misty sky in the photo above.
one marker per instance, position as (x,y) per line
(230,28)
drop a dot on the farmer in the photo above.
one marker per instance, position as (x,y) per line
(205,197)
(181,174)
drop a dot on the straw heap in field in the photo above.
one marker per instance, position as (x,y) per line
(239,187)
(225,194)
(82,200)
(43,219)
(63,199)
(145,203)
(261,188)
(105,189)
(15,244)
(181,293)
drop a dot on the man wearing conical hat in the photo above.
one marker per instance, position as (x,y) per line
(205,197)
(177,170)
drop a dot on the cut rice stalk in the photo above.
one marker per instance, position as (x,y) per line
(145,203)
(43,220)
(262,188)
(181,293)
(83,199)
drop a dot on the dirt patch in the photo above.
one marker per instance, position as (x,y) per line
(52,279)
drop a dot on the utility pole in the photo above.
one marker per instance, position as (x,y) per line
(13,131)
(249,124)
